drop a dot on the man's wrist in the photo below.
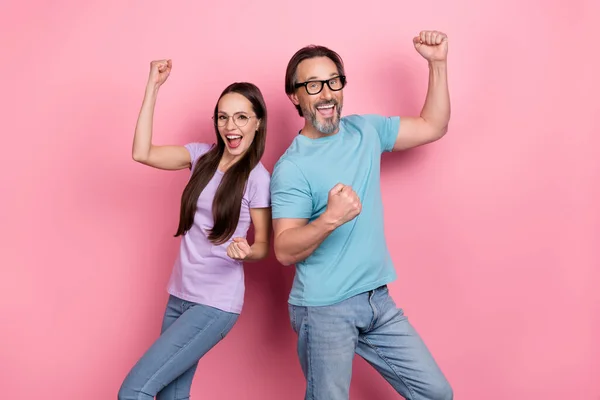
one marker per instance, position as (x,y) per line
(326,223)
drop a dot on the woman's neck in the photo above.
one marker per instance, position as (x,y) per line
(227,160)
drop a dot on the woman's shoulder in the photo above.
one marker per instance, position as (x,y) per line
(197,149)
(260,174)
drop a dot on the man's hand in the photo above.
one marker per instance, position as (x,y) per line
(432,45)
(343,205)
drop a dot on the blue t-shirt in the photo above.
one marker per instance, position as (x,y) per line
(354,258)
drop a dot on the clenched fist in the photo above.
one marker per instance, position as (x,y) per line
(343,205)
(159,72)
(239,249)
(432,45)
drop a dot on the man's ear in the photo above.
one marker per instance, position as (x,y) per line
(294,98)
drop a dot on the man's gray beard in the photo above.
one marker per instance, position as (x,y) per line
(329,126)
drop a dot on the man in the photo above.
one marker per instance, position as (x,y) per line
(328,221)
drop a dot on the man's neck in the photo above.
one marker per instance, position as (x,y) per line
(312,133)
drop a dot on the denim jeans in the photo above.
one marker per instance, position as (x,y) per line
(166,370)
(371,326)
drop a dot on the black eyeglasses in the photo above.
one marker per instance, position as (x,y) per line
(315,87)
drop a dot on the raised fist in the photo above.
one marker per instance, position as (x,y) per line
(432,45)
(343,205)
(159,72)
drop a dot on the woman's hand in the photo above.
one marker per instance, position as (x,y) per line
(239,249)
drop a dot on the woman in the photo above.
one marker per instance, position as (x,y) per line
(227,191)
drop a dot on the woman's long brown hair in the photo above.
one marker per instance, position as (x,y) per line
(228,198)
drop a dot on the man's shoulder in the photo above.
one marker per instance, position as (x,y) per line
(293,154)
(360,121)
(290,168)
(354,117)
(287,163)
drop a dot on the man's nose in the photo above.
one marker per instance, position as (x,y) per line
(326,93)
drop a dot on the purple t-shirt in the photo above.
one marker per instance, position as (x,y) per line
(203,273)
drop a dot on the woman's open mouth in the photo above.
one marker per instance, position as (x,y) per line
(234,140)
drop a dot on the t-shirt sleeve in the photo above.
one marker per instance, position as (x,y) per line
(290,192)
(197,150)
(387,129)
(259,186)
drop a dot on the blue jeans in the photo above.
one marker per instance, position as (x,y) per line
(371,326)
(166,370)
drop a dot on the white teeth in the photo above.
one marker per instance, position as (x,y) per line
(329,106)
(231,137)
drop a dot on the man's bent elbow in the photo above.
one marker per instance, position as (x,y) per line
(283,258)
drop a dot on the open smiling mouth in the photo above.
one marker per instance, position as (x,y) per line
(327,110)
(234,140)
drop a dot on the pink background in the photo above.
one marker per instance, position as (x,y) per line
(492,229)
